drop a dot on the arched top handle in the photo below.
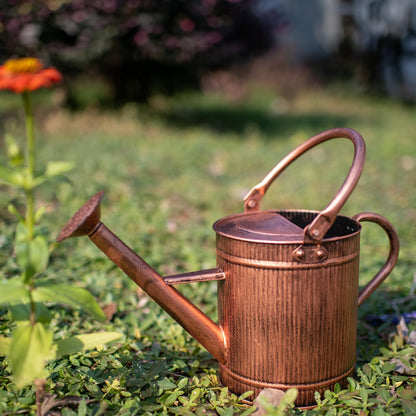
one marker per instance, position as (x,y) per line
(316,230)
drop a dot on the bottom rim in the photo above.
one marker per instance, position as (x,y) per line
(239,384)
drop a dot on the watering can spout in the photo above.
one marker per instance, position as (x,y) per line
(86,221)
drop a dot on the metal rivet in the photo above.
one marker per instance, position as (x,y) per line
(320,253)
(315,233)
(252,203)
(300,253)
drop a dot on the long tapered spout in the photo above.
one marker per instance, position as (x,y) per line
(86,221)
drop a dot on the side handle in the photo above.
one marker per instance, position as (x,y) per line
(391,258)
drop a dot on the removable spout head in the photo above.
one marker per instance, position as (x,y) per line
(85,221)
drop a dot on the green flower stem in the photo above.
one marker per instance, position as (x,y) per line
(30,161)
(32,303)
(30,205)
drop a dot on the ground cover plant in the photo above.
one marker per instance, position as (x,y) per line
(168,171)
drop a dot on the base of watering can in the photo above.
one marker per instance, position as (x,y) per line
(239,384)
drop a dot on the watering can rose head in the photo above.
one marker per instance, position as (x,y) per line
(27,74)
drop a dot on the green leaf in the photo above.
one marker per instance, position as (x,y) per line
(32,256)
(172,398)
(249,411)
(13,151)
(57,168)
(194,395)
(384,394)
(76,297)
(39,213)
(288,399)
(386,352)
(5,343)
(353,403)
(364,395)
(82,407)
(21,312)
(182,383)
(409,407)
(406,351)
(12,177)
(378,412)
(13,210)
(85,342)
(33,182)
(166,384)
(388,367)
(13,291)
(245,395)
(228,411)
(30,348)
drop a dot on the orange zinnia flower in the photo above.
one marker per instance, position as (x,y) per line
(27,74)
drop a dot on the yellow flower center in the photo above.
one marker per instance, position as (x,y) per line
(23,65)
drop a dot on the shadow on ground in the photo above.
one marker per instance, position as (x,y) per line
(243,120)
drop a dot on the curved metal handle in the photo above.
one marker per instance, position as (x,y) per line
(315,232)
(391,259)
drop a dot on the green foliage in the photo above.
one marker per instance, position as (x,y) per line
(32,254)
(76,297)
(381,386)
(167,176)
(30,348)
(31,344)
(84,342)
(287,402)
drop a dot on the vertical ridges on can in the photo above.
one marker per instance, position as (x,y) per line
(287,324)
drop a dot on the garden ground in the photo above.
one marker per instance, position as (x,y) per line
(169,170)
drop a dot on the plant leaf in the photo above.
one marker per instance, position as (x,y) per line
(166,384)
(76,297)
(5,343)
(15,295)
(409,407)
(11,177)
(57,168)
(13,210)
(21,312)
(13,291)
(13,151)
(32,256)
(39,213)
(30,348)
(85,342)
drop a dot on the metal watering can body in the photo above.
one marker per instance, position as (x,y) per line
(287,286)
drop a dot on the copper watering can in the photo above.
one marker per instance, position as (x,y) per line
(287,285)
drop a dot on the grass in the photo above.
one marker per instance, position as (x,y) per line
(169,170)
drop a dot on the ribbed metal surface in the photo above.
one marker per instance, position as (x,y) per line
(288,324)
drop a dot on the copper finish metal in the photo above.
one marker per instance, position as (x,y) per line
(391,258)
(87,222)
(315,231)
(192,277)
(288,287)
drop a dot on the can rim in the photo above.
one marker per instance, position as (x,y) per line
(353,228)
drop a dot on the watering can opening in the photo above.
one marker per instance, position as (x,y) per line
(342,226)
(280,227)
